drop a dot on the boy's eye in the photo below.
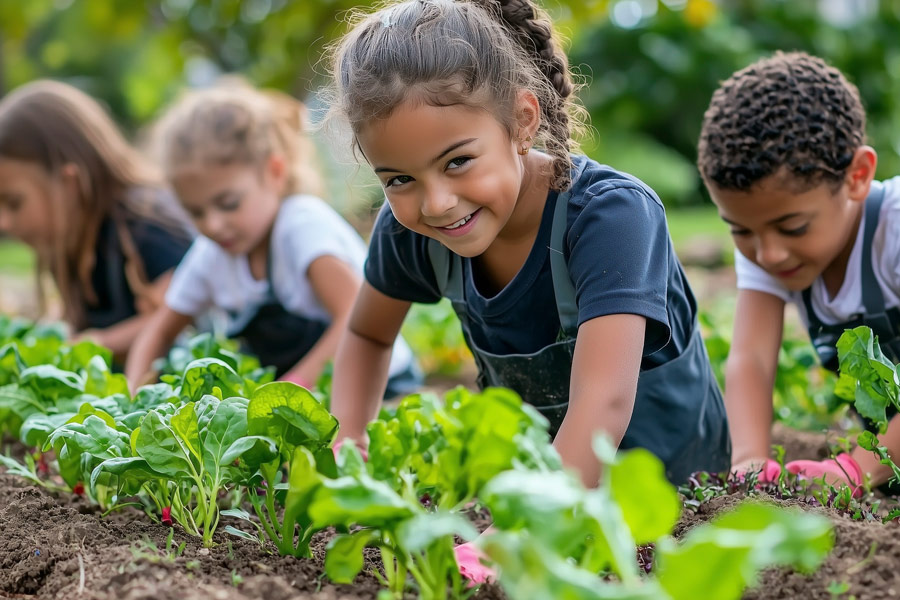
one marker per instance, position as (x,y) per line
(458,162)
(398,180)
(796,231)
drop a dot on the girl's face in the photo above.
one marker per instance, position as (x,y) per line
(27,191)
(452,173)
(234,205)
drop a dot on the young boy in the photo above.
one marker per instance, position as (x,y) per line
(782,152)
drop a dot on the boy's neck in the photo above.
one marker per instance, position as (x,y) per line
(834,274)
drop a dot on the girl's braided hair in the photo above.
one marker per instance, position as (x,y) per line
(449,52)
(789,111)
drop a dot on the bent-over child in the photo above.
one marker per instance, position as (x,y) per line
(783,153)
(94,210)
(560,269)
(279,263)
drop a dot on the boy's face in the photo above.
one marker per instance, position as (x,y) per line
(795,237)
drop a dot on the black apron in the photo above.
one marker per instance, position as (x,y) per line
(678,413)
(885,323)
(281,339)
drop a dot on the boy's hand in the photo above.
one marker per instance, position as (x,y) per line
(841,470)
(342,441)
(295,377)
(768,469)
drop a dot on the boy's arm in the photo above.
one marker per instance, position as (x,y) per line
(750,376)
(153,341)
(362,360)
(604,380)
(335,284)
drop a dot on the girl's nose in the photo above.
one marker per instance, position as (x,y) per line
(438,201)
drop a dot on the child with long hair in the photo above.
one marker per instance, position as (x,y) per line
(561,269)
(93,209)
(783,153)
(277,261)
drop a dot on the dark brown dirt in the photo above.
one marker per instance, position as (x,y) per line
(58,546)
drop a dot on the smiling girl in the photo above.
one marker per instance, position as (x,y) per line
(281,264)
(560,269)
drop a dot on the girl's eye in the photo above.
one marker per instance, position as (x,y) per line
(797,231)
(398,180)
(739,232)
(458,162)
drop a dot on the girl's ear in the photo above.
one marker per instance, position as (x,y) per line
(276,170)
(70,180)
(528,115)
(861,172)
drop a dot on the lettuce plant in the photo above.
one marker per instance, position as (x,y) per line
(556,539)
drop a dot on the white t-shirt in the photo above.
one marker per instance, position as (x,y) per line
(847,303)
(210,280)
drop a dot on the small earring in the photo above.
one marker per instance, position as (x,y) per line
(525,146)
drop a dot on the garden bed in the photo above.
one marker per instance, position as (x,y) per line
(59,547)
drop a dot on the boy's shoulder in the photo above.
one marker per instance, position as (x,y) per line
(594,183)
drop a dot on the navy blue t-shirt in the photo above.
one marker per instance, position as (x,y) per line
(619,255)
(160,248)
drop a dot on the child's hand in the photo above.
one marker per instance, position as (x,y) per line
(342,441)
(768,469)
(468,559)
(841,470)
(295,377)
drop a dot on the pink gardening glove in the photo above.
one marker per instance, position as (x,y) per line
(468,559)
(839,470)
(337,446)
(296,378)
(768,474)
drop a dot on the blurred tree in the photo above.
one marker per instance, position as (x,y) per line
(652,65)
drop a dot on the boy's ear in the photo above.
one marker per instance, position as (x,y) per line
(861,172)
(528,114)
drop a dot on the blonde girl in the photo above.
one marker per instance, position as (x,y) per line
(276,261)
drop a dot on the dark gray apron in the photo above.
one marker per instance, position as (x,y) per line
(678,413)
(885,323)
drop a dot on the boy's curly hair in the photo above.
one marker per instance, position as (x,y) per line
(790,111)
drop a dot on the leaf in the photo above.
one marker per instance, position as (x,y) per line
(424,529)
(636,477)
(162,448)
(201,376)
(722,557)
(290,415)
(364,501)
(344,555)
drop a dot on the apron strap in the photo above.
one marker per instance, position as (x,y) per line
(873,299)
(563,289)
(448,268)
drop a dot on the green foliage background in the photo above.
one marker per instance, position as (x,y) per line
(651,65)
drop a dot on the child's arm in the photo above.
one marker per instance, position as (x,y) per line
(119,337)
(153,341)
(335,284)
(362,361)
(750,376)
(604,379)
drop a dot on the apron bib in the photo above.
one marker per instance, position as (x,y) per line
(678,413)
(885,323)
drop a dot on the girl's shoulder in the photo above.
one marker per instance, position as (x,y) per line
(594,183)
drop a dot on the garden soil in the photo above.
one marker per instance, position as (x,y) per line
(59,547)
